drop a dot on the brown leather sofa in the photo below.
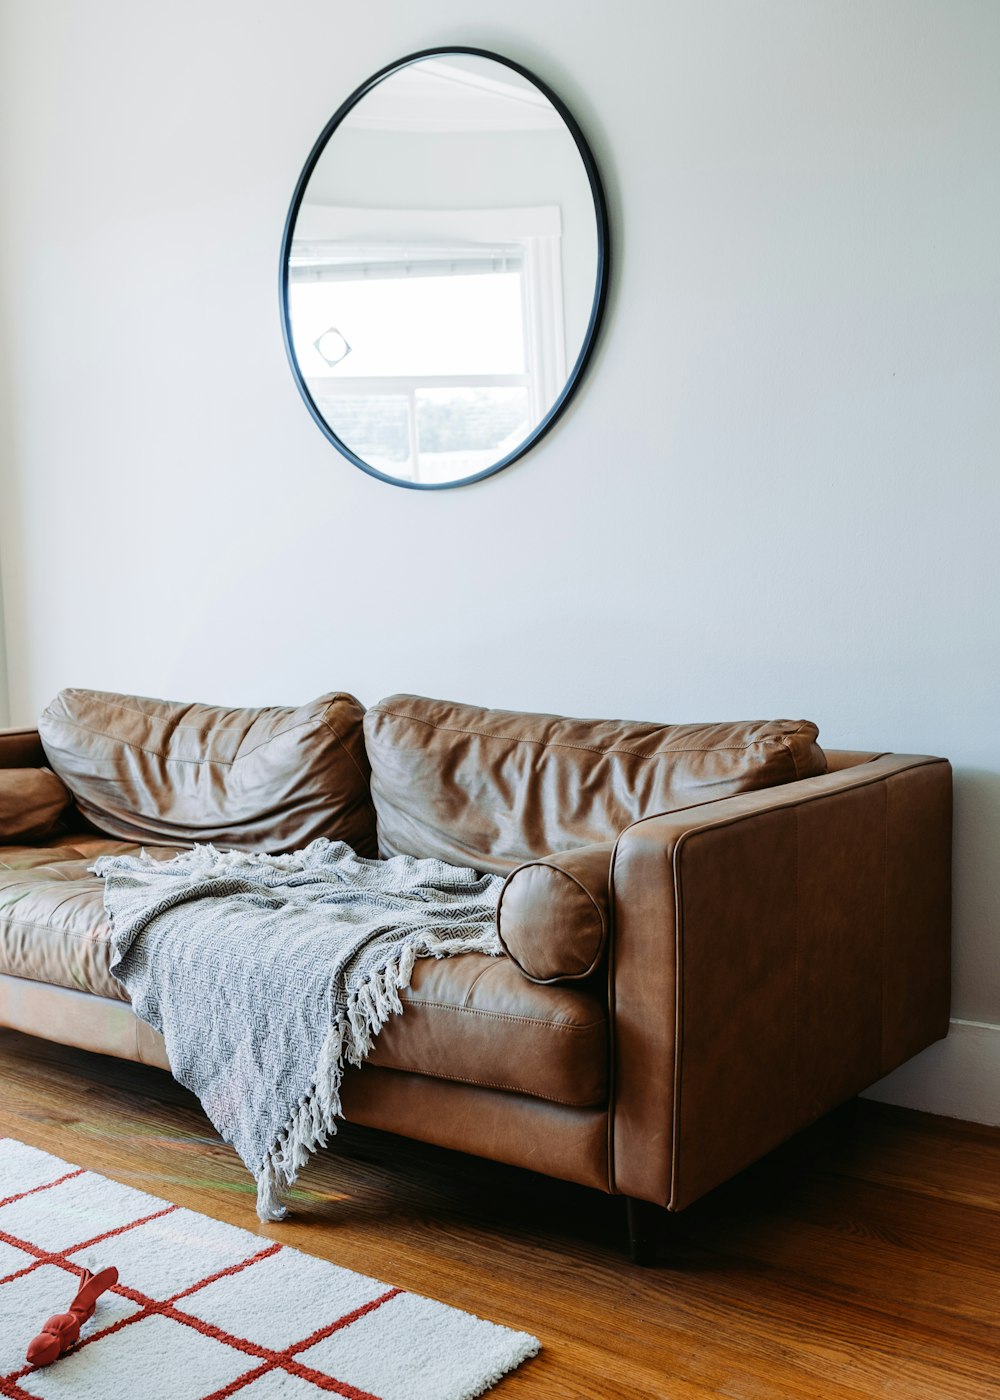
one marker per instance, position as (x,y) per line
(715,934)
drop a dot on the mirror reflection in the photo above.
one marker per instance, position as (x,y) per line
(443,269)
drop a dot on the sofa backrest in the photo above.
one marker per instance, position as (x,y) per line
(495,788)
(255,779)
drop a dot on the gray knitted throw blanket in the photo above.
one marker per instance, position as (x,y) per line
(267,974)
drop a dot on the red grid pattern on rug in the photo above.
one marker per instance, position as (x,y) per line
(266,1358)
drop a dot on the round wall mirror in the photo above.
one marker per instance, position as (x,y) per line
(443,268)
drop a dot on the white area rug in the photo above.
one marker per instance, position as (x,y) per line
(203,1311)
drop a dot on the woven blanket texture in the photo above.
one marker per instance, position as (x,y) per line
(266,975)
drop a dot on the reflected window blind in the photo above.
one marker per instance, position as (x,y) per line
(336,263)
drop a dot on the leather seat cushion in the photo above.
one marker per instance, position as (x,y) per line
(478,1020)
(161,771)
(53,927)
(492,789)
(469,1019)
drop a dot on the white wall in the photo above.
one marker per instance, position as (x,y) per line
(4,692)
(777,493)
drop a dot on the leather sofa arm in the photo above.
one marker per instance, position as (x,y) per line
(33,801)
(21,748)
(773,955)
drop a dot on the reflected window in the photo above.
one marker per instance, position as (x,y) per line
(421,355)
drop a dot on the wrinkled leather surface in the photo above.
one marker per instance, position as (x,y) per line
(494,788)
(32,800)
(472,1019)
(810,932)
(266,779)
(553,916)
(52,922)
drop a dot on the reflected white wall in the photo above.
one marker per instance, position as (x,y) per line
(485,170)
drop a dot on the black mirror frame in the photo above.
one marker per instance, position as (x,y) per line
(600,291)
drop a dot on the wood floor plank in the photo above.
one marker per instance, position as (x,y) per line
(867,1265)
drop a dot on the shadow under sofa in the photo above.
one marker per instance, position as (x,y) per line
(715,934)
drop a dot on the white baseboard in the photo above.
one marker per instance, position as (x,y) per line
(959,1077)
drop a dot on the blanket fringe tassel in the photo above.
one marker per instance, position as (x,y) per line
(349,1041)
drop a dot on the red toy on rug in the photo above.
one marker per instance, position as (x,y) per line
(63,1331)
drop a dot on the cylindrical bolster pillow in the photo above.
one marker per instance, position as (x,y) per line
(553,914)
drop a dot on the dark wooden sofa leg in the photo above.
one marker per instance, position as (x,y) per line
(643,1219)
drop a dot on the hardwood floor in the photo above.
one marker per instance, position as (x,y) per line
(863,1262)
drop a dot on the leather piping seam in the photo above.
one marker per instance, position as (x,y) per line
(112,704)
(53,873)
(78,856)
(109,703)
(20,869)
(885,931)
(791,754)
(780,740)
(47,928)
(475,983)
(675,1124)
(32,886)
(779,789)
(365,777)
(488,1084)
(505,1015)
(798,1119)
(612,1006)
(61,990)
(314,722)
(53,866)
(559,976)
(78,988)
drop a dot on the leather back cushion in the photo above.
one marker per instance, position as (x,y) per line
(494,788)
(32,800)
(265,779)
